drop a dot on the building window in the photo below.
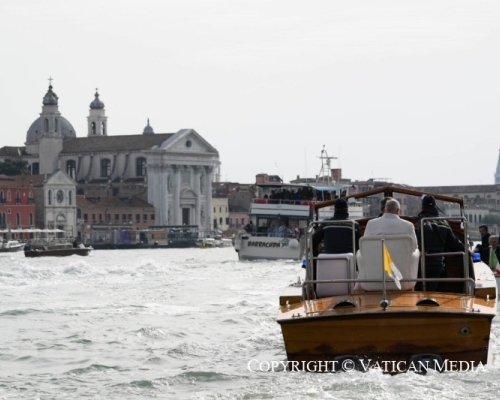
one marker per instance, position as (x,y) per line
(220,220)
(9,196)
(130,217)
(18,219)
(117,217)
(93,217)
(103,128)
(71,168)
(2,199)
(152,217)
(145,217)
(108,217)
(18,197)
(215,210)
(105,168)
(100,217)
(31,219)
(138,217)
(46,125)
(92,127)
(35,168)
(124,217)
(56,125)
(140,166)
(49,198)
(70,197)
(85,217)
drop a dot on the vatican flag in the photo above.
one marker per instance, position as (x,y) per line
(391,269)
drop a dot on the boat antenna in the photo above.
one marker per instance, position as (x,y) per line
(325,166)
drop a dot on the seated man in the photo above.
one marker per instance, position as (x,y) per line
(332,243)
(390,223)
(438,238)
(401,242)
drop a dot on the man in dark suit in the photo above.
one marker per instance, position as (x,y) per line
(491,254)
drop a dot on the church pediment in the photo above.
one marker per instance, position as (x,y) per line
(59,178)
(187,141)
(188,194)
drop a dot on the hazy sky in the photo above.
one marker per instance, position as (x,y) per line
(403,90)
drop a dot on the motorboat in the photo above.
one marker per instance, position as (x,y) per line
(9,246)
(347,312)
(56,250)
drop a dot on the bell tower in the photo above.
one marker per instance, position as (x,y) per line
(97,122)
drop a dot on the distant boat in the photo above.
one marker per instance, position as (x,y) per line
(56,250)
(10,246)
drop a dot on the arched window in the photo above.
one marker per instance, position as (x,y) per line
(9,196)
(103,128)
(31,219)
(92,127)
(57,123)
(70,197)
(71,168)
(49,197)
(46,125)
(140,166)
(2,199)
(18,197)
(18,219)
(105,168)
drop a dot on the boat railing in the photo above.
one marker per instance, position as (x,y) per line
(311,259)
(283,201)
(308,291)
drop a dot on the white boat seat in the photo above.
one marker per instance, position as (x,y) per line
(334,266)
(370,263)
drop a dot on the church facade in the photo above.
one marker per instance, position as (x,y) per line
(171,171)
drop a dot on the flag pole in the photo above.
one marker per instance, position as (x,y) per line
(384,303)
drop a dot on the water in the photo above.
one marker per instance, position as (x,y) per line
(173,324)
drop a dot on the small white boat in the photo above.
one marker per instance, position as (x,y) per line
(10,246)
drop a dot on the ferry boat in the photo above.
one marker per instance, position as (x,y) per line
(348,312)
(278,220)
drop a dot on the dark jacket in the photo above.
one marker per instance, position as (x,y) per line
(335,242)
(438,238)
(485,244)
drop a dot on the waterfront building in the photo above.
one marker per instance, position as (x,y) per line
(173,172)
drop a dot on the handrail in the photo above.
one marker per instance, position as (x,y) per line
(308,284)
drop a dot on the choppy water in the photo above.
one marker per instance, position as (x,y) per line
(173,324)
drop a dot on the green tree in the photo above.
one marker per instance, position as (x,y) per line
(13,167)
(491,219)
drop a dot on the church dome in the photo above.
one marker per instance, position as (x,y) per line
(36,129)
(50,98)
(148,130)
(96,104)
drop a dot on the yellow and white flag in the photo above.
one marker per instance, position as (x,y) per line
(391,269)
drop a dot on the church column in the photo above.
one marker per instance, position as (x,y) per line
(198,188)
(208,196)
(177,217)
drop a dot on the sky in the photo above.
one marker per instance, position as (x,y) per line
(406,91)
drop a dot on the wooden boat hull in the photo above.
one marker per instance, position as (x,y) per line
(58,253)
(453,332)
